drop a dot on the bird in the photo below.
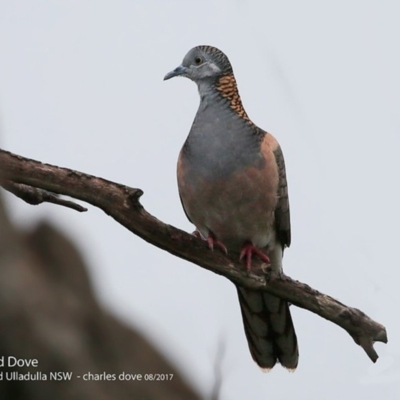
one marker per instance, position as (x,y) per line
(233,188)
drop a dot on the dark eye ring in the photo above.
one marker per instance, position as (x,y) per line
(198,60)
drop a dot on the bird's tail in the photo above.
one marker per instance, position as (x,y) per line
(269,329)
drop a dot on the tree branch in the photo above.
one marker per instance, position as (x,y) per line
(122,203)
(35,196)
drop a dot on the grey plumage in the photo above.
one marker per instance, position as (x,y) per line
(232,183)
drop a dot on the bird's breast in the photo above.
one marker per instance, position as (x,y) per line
(230,191)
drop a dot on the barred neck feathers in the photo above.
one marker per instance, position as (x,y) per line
(227,87)
(224,87)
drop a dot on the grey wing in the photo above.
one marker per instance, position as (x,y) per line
(282,212)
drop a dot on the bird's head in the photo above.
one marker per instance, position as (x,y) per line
(202,63)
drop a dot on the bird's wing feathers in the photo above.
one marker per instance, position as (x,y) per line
(273,154)
(282,212)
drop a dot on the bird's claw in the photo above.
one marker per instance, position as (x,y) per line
(212,242)
(247,252)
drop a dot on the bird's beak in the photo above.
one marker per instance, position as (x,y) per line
(178,71)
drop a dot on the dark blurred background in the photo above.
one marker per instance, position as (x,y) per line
(48,313)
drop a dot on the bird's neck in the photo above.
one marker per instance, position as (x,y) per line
(224,88)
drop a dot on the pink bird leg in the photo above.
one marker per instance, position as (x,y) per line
(247,252)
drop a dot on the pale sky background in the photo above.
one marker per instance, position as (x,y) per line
(81,86)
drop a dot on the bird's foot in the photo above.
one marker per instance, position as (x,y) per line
(211,241)
(247,252)
(197,234)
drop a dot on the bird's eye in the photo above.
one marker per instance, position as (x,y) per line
(198,60)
